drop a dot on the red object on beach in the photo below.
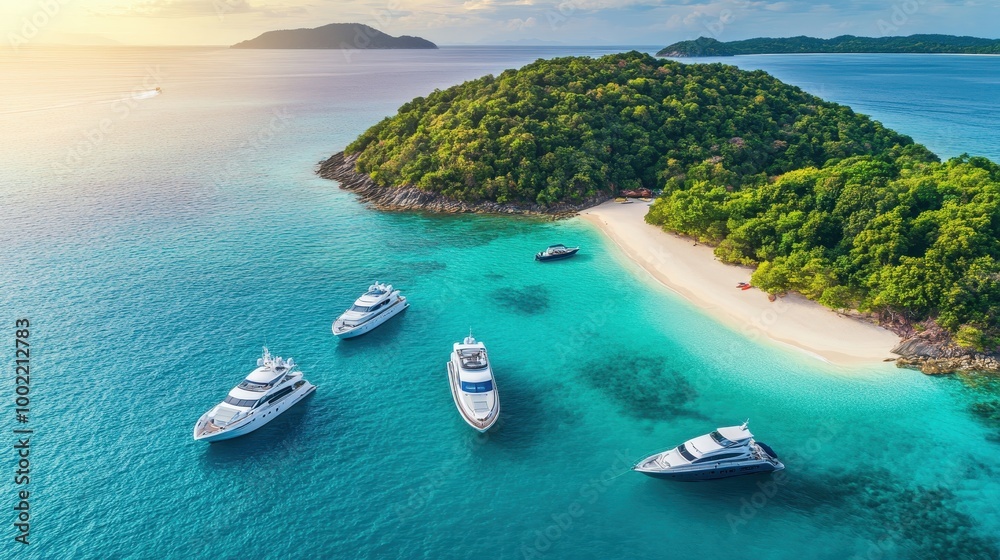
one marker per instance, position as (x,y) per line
(747,287)
(741,284)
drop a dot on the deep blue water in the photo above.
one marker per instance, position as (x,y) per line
(154,258)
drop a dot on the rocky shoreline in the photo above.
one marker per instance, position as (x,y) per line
(934,352)
(341,168)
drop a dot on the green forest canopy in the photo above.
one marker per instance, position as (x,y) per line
(823,200)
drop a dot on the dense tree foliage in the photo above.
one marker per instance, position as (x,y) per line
(823,201)
(571,128)
(706,46)
(887,232)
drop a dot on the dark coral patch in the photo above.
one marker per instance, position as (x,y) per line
(529,300)
(643,386)
(925,522)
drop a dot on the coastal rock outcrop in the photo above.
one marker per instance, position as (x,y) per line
(934,353)
(341,168)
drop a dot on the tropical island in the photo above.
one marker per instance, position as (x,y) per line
(814,198)
(334,36)
(926,44)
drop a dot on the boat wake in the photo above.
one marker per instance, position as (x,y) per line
(135,96)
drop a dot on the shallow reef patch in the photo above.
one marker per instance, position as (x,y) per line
(529,300)
(642,386)
(919,522)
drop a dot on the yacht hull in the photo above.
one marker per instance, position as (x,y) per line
(480,426)
(725,471)
(341,331)
(254,421)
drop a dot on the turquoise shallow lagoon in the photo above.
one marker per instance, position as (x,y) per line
(155,258)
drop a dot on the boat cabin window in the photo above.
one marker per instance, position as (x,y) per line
(476,360)
(278,394)
(253,385)
(721,440)
(715,458)
(481,387)
(685,453)
(240,402)
(367,309)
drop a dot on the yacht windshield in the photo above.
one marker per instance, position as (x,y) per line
(721,440)
(685,453)
(481,387)
(241,402)
(720,457)
(253,386)
(367,309)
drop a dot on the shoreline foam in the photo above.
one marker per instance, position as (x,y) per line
(692,271)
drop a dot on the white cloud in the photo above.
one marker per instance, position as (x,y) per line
(519,24)
(568,21)
(201,8)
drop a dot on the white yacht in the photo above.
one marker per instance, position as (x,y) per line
(266,392)
(726,452)
(472,387)
(376,306)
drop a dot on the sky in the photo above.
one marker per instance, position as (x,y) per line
(451,22)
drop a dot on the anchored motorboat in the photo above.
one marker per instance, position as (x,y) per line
(376,306)
(472,386)
(266,392)
(556,252)
(725,452)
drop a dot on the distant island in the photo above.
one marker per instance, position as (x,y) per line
(334,36)
(819,199)
(943,44)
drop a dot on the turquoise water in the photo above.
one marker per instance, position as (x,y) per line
(193,231)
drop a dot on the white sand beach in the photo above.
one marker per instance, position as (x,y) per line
(693,272)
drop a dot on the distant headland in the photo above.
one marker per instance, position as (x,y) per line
(928,44)
(334,36)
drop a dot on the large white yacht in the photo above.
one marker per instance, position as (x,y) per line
(376,306)
(472,387)
(266,392)
(726,452)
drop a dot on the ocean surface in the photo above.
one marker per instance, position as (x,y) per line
(157,241)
